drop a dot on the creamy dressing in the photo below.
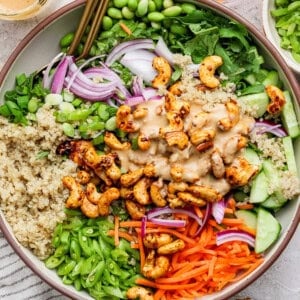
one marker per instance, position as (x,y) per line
(18,5)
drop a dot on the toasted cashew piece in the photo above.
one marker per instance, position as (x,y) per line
(156,240)
(92,193)
(207,70)
(174,187)
(171,248)
(232,146)
(76,192)
(202,136)
(182,108)
(149,170)
(155,267)
(113,172)
(135,210)
(113,142)
(144,142)
(139,292)
(140,191)
(277,99)
(83,177)
(240,172)
(176,88)
(89,209)
(161,65)
(126,193)
(106,199)
(177,138)
(124,119)
(233,118)
(140,112)
(175,202)
(217,164)
(205,192)
(131,177)
(176,172)
(156,196)
(191,199)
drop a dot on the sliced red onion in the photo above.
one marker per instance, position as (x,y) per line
(60,74)
(267,126)
(161,49)
(134,100)
(144,226)
(127,47)
(230,235)
(150,93)
(47,78)
(137,86)
(139,62)
(218,210)
(168,223)
(205,218)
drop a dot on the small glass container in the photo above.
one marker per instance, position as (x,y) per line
(20,9)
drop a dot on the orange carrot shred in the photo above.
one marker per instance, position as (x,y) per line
(125,28)
(116,236)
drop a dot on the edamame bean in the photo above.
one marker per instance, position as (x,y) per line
(107,23)
(68,129)
(172,11)
(127,13)
(151,6)
(158,4)
(120,3)
(168,3)
(142,8)
(66,40)
(155,16)
(178,29)
(155,25)
(188,7)
(114,13)
(132,4)
(33,105)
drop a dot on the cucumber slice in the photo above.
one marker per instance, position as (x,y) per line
(253,157)
(273,177)
(259,101)
(267,230)
(289,154)
(288,117)
(239,196)
(249,217)
(273,202)
(271,79)
(259,189)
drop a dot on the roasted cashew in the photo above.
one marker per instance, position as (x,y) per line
(175,202)
(138,292)
(140,112)
(113,142)
(205,192)
(217,164)
(277,99)
(126,193)
(92,193)
(182,108)
(105,200)
(76,192)
(232,146)
(174,187)
(189,198)
(199,121)
(124,119)
(89,209)
(164,70)
(176,88)
(131,177)
(149,170)
(156,240)
(177,138)
(233,112)
(199,137)
(140,191)
(144,142)
(207,71)
(113,172)
(155,267)
(171,248)
(240,172)
(156,196)
(83,177)
(135,210)
(176,172)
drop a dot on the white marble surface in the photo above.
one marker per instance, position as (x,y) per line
(280,282)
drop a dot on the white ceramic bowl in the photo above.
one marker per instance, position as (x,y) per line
(273,36)
(40,45)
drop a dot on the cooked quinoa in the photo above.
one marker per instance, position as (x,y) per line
(32,196)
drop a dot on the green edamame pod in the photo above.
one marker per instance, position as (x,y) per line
(114,13)
(120,3)
(158,4)
(107,23)
(95,274)
(88,265)
(132,4)
(127,13)
(77,269)
(66,268)
(53,262)
(142,8)
(75,250)
(66,40)
(84,244)
(155,16)
(151,6)
(168,3)
(172,11)
(187,8)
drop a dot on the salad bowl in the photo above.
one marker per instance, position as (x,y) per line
(42,44)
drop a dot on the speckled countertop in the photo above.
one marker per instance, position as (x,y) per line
(17,281)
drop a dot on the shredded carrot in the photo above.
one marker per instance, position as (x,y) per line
(146,282)
(232,221)
(136,224)
(116,233)
(122,234)
(231,203)
(142,250)
(242,205)
(125,28)
(198,211)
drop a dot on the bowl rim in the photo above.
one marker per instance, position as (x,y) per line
(272,35)
(220,9)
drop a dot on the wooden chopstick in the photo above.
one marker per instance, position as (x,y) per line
(84,21)
(94,27)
